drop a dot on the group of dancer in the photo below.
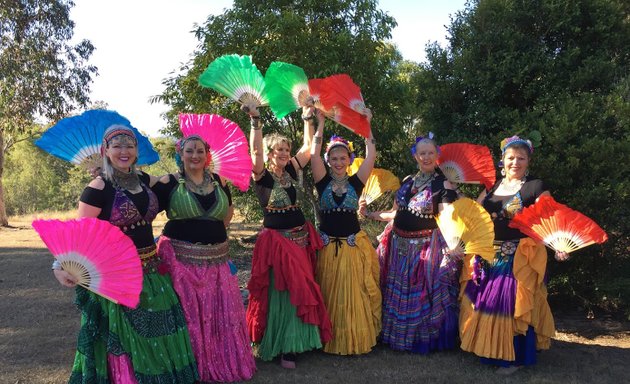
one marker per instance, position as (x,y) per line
(310,288)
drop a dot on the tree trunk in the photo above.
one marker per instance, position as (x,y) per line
(4,221)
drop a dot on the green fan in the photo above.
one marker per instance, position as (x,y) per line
(236,77)
(287,88)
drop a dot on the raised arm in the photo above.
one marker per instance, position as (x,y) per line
(303,155)
(370,154)
(317,164)
(255,142)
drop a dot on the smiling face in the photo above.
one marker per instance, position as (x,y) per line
(515,162)
(426,156)
(194,155)
(338,160)
(280,154)
(122,152)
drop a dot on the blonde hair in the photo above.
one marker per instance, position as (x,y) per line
(273,139)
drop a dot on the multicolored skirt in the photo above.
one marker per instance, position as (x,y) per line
(148,344)
(420,289)
(286,311)
(213,306)
(348,273)
(505,317)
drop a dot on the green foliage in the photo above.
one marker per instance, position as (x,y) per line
(557,72)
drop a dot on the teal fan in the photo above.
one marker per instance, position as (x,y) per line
(287,88)
(236,77)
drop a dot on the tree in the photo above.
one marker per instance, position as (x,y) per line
(558,72)
(41,74)
(322,37)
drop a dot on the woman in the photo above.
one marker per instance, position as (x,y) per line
(286,313)
(195,248)
(505,316)
(117,344)
(420,281)
(347,266)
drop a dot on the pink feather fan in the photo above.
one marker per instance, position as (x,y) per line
(228,145)
(98,254)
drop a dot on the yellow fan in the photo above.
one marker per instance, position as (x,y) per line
(467,228)
(379,181)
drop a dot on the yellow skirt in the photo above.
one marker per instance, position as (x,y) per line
(348,277)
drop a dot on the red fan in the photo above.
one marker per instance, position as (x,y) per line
(228,145)
(338,112)
(558,226)
(341,89)
(98,254)
(467,163)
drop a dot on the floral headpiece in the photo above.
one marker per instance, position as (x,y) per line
(338,141)
(179,147)
(428,138)
(505,143)
(116,130)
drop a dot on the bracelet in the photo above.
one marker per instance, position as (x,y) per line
(57,265)
(255,123)
(306,118)
(317,139)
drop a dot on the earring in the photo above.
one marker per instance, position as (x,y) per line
(502,171)
(527,173)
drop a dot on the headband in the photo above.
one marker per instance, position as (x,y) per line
(514,140)
(428,138)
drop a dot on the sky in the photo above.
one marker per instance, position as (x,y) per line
(139,43)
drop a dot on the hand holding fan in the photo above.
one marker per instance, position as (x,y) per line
(467,163)
(98,254)
(236,77)
(558,226)
(78,139)
(467,228)
(379,181)
(228,145)
(287,88)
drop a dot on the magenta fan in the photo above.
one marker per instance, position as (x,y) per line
(98,254)
(228,145)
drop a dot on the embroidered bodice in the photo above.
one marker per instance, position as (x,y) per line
(184,204)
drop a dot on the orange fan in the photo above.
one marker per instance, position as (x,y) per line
(341,89)
(467,163)
(379,181)
(558,226)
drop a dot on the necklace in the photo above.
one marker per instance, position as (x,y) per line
(126,180)
(421,180)
(284,179)
(202,188)
(339,184)
(511,187)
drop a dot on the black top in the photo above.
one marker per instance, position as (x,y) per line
(503,208)
(278,219)
(339,215)
(193,230)
(425,204)
(142,235)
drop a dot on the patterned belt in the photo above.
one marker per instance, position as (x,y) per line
(148,256)
(298,235)
(201,254)
(338,240)
(288,208)
(413,234)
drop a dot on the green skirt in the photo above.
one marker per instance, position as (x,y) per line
(285,332)
(152,336)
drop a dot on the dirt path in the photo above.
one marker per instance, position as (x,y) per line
(39,323)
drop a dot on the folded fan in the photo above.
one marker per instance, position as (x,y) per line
(467,228)
(467,163)
(98,254)
(228,145)
(558,226)
(379,181)
(78,139)
(287,88)
(236,77)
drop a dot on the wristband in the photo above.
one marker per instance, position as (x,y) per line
(306,118)
(57,265)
